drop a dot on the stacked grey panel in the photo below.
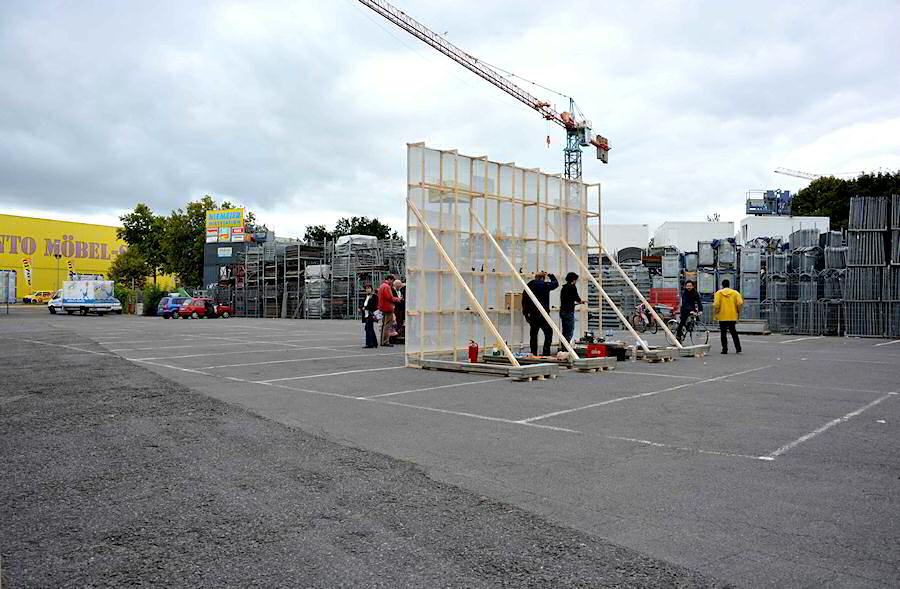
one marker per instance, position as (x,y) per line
(706,254)
(865,248)
(803,238)
(869,213)
(835,257)
(691,261)
(867,284)
(726,254)
(671,266)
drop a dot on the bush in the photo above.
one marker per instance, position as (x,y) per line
(152,296)
(126,296)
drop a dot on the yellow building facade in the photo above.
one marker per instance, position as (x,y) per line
(30,246)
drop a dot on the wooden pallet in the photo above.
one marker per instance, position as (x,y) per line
(697,351)
(594,364)
(656,355)
(523,373)
(580,365)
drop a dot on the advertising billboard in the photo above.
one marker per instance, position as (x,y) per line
(224,218)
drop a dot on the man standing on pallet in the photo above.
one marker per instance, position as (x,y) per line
(386,300)
(727,306)
(541,289)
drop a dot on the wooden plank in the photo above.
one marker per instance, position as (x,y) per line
(697,351)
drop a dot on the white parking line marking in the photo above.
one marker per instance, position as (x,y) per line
(244,343)
(474,415)
(802,386)
(179,368)
(641,395)
(637,373)
(31,341)
(896,341)
(828,425)
(254,351)
(686,449)
(325,374)
(297,360)
(801,339)
(444,386)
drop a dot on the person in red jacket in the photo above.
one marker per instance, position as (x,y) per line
(386,299)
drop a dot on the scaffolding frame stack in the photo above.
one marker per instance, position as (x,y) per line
(866,306)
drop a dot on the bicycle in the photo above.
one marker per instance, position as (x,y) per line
(642,321)
(694,329)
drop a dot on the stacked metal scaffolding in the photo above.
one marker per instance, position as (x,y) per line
(866,306)
(618,290)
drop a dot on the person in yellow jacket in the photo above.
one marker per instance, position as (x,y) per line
(727,306)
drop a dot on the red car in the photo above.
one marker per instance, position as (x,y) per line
(199,307)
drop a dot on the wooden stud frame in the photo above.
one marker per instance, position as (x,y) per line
(516,206)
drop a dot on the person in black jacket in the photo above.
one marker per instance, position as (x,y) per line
(690,302)
(541,289)
(368,316)
(568,298)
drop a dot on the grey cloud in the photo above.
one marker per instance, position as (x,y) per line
(104,105)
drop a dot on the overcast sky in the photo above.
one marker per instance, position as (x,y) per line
(301,110)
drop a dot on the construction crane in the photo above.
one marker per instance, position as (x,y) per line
(578,131)
(798,174)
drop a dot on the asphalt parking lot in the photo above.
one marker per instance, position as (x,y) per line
(776,467)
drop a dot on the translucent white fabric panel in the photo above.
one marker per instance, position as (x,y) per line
(464,172)
(506,182)
(492,173)
(417,196)
(432,166)
(430,334)
(518,180)
(412,239)
(531,222)
(432,207)
(531,258)
(430,301)
(430,256)
(449,292)
(506,218)
(412,334)
(476,252)
(574,223)
(531,186)
(554,189)
(462,211)
(448,169)
(448,242)
(414,157)
(491,293)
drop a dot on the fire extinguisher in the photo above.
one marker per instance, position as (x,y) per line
(473,351)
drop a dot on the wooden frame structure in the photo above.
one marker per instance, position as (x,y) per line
(475,230)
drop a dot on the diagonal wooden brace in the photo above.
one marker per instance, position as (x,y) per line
(637,291)
(599,288)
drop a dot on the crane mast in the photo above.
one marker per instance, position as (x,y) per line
(578,133)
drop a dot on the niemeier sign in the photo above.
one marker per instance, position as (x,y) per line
(220,218)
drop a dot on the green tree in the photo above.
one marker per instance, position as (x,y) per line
(830,196)
(351,226)
(316,233)
(184,240)
(143,231)
(129,266)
